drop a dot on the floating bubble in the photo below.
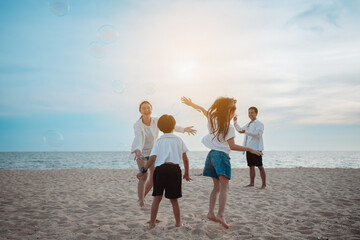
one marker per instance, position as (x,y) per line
(97,50)
(118,86)
(150,88)
(53,138)
(60,7)
(108,34)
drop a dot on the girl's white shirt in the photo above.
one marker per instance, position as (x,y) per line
(211,141)
(140,134)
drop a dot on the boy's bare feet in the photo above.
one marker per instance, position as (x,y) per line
(222,221)
(250,185)
(212,217)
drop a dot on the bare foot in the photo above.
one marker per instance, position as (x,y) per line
(222,221)
(151,225)
(156,221)
(141,203)
(178,225)
(250,185)
(212,217)
(263,187)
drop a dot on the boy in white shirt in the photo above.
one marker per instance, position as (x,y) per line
(254,139)
(166,154)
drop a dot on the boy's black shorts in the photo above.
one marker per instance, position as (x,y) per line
(253,159)
(167,177)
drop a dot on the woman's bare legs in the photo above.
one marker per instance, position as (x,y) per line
(141,183)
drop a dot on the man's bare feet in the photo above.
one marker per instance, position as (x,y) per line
(250,185)
(222,221)
(212,217)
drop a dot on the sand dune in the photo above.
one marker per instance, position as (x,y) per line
(102,204)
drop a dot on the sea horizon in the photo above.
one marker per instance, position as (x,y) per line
(50,160)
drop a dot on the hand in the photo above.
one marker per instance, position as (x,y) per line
(235,118)
(186,101)
(139,175)
(256,152)
(189,130)
(138,154)
(187,177)
(242,131)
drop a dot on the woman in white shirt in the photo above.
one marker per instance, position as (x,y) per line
(146,133)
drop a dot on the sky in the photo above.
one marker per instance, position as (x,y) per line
(73,73)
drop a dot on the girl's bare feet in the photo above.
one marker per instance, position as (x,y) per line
(212,217)
(222,221)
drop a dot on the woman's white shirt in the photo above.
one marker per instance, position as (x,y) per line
(149,141)
(141,133)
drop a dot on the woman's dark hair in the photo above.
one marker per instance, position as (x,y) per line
(166,123)
(143,102)
(218,115)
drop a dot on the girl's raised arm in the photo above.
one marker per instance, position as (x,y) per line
(188,102)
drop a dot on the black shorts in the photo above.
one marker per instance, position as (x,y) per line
(253,159)
(167,177)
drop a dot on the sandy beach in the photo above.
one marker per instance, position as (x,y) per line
(300,203)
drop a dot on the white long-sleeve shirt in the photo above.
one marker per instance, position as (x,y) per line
(253,134)
(142,133)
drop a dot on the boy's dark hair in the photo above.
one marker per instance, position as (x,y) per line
(166,123)
(254,108)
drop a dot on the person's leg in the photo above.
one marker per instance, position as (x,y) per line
(154,211)
(141,183)
(176,210)
(149,183)
(263,176)
(212,201)
(224,190)
(252,176)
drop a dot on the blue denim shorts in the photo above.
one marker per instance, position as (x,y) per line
(217,163)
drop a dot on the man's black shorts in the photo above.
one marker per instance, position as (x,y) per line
(253,160)
(167,177)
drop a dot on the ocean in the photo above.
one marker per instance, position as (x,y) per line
(121,160)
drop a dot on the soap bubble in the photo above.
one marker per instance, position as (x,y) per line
(60,7)
(97,50)
(108,34)
(53,138)
(118,86)
(150,88)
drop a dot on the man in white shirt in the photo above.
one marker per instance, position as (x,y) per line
(253,138)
